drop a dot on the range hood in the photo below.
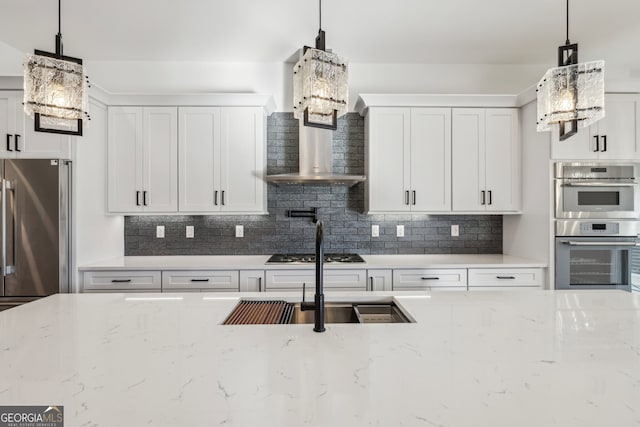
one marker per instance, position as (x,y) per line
(316,161)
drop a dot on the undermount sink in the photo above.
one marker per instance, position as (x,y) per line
(264,312)
(347,312)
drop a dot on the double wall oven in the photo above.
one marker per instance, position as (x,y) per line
(597,226)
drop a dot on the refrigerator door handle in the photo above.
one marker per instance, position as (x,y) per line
(8,187)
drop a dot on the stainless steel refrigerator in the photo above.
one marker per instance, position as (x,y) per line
(35,229)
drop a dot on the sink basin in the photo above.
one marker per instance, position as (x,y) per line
(348,312)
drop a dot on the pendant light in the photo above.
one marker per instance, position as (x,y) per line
(320,88)
(571,95)
(55,90)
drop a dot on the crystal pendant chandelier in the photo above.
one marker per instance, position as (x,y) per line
(55,90)
(320,90)
(571,95)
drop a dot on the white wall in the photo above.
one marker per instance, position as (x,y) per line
(10,60)
(97,236)
(529,235)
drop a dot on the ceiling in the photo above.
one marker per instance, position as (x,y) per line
(372,31)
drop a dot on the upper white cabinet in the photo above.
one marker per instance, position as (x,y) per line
(20,140)
(613,137)
(486,160)
(408,157)
(222,159)
(143,159)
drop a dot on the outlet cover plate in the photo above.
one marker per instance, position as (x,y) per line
(455,230)
(375,231)
(400,230)
(190,232)
(160,231)
(239,231)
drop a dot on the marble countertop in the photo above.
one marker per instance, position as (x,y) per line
(257,262)
(538,358)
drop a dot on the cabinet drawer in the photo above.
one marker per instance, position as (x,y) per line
(292,280)
(421,279)
(121,281)
(505,277)
(219,280)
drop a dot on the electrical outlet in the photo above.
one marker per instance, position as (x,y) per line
(160,231)
(190,232)
(455,230)
(375,231)
(239,231)
(400,230)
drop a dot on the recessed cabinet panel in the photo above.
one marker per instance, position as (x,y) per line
(388,174)
(199,147)
(125,159)
(160,159)
(502,159)
(468,156)
(292,280)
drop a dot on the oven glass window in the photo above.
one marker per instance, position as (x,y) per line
(595,267)
(598,198)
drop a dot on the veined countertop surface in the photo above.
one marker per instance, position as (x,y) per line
(257,262)
(538,358)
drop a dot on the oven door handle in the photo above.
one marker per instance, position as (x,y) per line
(592,243)
(599,184)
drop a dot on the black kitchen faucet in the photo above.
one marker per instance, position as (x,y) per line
(318,302)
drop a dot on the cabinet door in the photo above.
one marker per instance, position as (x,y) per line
(122,281)
(160,167)
(502,156)
(252,281)
(426,279)
(8,125)
(203,281)
(242,154)
(616,132)
(468,162)
(506,278)
(338,279)
(579,146)
(199,154)
(380,280)
(41,144)
(430,159)
(125,159)
(389,157)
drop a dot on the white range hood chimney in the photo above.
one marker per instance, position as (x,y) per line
(316,161)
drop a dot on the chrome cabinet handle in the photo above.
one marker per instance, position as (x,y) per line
(597,137)
(592,243)
(599,184)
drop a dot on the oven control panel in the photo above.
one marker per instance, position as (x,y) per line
(621,228)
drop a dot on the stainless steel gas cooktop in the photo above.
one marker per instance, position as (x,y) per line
(311,258)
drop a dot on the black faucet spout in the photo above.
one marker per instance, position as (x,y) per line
(318,300)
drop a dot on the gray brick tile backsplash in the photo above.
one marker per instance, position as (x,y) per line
(347,228)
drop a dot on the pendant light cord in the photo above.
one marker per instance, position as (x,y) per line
(567,42)
(59,18)
(320,14)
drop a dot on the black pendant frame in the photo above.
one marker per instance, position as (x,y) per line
(568,55)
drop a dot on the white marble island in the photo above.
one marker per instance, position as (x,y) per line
(536,358)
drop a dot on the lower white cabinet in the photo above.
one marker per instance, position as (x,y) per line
(430,279)
(380,280)
(251,280)
(501,278)
(121,281)
(335,280)
(201,281)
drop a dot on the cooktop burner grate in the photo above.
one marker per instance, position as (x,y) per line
(311,258)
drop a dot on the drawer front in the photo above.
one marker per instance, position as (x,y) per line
(335,280)
(505,277)
(421,279)
(121,281)
(219,280)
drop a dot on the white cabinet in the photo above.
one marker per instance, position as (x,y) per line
(222,159)
(143,160)
(430,279)
(251,280)
(486,160)
(121,281)
(505,278)
(20,140)
(380,280)
(201,281)
(613,137)
(408,158)
(335,280)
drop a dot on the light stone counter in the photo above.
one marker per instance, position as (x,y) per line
(535,358)
(257,262)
